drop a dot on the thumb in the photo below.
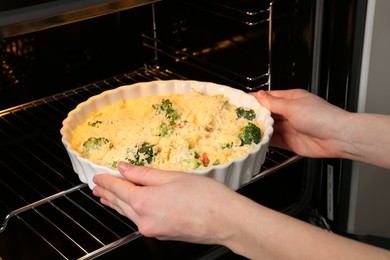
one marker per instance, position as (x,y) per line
(145,176)
(272,102)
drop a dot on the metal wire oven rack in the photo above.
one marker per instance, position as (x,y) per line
(40,193)
(241,27)
(222,53)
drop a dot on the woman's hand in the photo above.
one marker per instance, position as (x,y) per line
(168,205)
(309,126)
(304,122)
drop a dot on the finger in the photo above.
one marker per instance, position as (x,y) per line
(146,176)
(285,94)
(106,198)
(108,203)
(122,207)
(110,182)
(115,193)
(288,94)
(113,188)
(273,103)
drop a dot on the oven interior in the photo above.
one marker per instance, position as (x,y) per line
(44,208)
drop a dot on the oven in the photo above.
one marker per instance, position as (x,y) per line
(55,54)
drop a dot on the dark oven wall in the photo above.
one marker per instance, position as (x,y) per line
(50,61)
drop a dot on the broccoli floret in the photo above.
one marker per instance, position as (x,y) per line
(167,108)
(94,143)
(196,164)
(115,164)
(250,134)
(144,155)
(162,130)
(248,114)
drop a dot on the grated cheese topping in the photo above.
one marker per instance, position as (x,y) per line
(173,132)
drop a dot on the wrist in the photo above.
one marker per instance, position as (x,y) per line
(366,138)
(341,136)
(243,232)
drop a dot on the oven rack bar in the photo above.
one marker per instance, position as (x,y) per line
(40,190)
(253,14)
(250,13)
(37,203)
(246,83)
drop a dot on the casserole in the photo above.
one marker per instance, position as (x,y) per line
(234,173)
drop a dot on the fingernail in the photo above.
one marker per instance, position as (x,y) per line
(123,166)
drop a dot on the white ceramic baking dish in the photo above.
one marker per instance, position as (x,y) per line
(234,174)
